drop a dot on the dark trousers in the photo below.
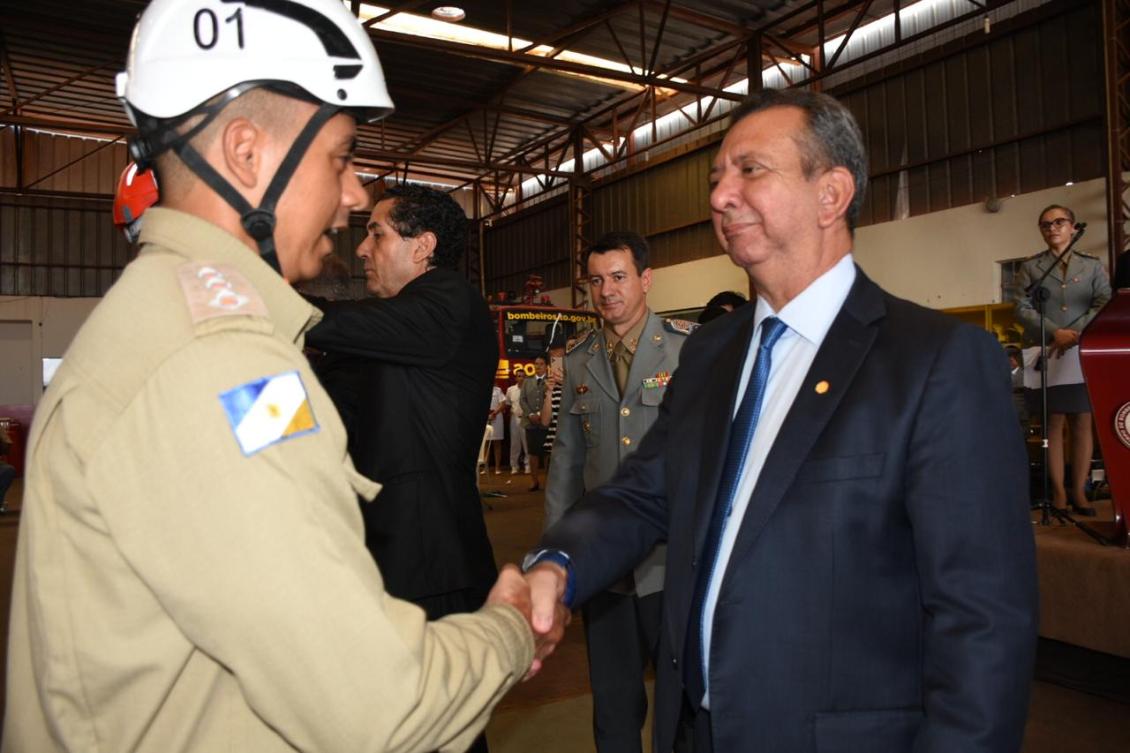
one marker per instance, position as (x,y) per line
(455,602)
(7,476)
(693,734)
(622,633)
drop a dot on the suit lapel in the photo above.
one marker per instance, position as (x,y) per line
(720,397)
(844,349)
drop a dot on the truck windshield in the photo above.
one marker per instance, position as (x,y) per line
(526,333)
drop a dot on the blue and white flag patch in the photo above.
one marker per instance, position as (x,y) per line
(268,410)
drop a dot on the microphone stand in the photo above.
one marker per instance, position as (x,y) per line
(1039,296)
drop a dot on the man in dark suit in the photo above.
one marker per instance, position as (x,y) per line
(411,372)
(837,473)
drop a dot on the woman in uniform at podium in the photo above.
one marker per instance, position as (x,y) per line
(1079,287)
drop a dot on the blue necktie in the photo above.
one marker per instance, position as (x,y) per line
(741,435)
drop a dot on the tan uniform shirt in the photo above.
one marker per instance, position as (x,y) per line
(191,574)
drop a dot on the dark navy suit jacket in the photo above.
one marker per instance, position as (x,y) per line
(881,594)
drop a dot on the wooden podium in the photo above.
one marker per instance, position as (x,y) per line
(1104,352)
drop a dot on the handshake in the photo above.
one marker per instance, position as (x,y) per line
(537,595)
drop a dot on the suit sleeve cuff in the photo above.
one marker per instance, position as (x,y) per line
(557,557)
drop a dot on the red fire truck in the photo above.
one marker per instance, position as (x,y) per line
(524,331)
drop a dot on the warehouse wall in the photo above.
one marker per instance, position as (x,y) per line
(36,328)
(941,260)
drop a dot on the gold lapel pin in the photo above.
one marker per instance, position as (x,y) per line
(822,387)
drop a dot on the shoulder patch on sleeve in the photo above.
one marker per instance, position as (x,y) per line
(269,410)
(214,290)
(680,326)
(577,341)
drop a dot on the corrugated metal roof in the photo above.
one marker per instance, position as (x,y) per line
(462,113)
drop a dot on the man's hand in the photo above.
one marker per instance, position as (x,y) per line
(511,588)
(1064,340)
(549,616)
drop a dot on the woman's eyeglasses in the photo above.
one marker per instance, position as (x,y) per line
(1057,223)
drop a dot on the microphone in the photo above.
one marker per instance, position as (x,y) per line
(1080,225)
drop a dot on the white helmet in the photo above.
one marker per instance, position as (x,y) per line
(183,54)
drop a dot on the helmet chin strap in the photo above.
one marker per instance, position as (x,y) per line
(259,222)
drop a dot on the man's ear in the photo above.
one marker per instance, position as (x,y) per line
(837,188)
(645,279)
(424,247)
(243,144)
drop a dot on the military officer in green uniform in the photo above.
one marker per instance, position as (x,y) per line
(614,381)
(191,573)
(1078,287)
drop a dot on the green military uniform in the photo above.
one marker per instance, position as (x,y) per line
(597,427)
(1076,296)
(191,574)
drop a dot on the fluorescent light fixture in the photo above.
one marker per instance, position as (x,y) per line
(431,28)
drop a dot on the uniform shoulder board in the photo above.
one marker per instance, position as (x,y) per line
(1089,256)
(578,340)
(212,291)
(680,326)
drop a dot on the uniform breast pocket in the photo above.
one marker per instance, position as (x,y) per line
(587,416)
(652,397)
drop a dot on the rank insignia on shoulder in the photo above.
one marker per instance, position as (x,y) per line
(268,410)
(680,326)
(213,290)
(578,340)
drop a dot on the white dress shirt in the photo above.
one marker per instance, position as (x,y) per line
(808,318)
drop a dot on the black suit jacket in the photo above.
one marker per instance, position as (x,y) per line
(881,594)
(412,377)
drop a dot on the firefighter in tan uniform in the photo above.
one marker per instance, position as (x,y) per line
(191,573)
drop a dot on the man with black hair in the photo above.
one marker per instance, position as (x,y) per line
(615,379)
(422,354)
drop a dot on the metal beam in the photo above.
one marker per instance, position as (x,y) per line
(405,8)
(382,155)
(80,75)
(6,64)
(551,64)
(1116,49)
(561,37)
(95,127)
(705,20)
(75,161)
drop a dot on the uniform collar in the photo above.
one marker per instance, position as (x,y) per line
(631,338)
(198,240)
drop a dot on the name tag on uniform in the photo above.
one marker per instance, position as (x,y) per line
(268,410)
